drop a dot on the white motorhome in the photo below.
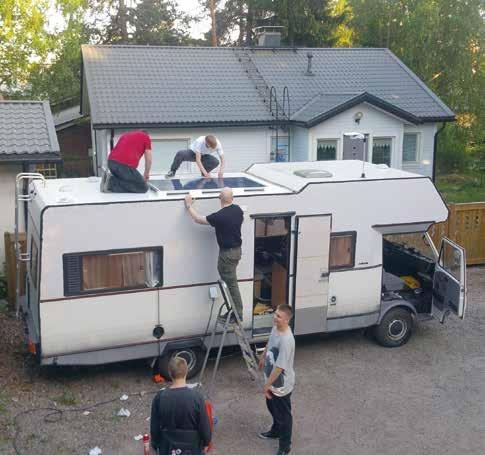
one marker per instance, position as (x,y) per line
(122,276)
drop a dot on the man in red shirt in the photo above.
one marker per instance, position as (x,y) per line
(123,161)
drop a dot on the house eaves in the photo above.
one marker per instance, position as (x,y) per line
(28,132)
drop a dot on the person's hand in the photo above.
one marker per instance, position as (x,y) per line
(207,175)
(188,200)
(261,362)
(146,176)
(220,174)
(267,391)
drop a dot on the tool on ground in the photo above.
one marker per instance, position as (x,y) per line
(146,444)
(227,321)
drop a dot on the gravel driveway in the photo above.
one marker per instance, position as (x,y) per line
(352,396)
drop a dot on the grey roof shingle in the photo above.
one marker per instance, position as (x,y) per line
(145,85)
(27,132)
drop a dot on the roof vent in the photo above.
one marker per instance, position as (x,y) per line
(313,174)
(309,71)
(268,36)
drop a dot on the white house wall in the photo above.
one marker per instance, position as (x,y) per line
(242,146)
(376,123)
(299,144)
(8,172)
(424,163)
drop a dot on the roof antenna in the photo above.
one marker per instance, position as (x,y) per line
(355,135)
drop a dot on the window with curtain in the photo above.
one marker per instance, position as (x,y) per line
(410,148)
(117,270)
(326,149)
(382,150)
(279,154)
(342,250)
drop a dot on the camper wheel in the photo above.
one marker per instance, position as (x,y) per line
(193,355)
(395,328)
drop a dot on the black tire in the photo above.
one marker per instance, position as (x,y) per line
(395,328)
(193,355)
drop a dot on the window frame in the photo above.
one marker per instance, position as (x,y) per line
(68,293)
(273,152)
(353,235)
(391,153)
(48,170)
(418,148)
(328,139)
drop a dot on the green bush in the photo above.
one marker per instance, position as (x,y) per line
(3,287)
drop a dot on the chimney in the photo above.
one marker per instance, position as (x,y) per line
(268,36)
(309,71)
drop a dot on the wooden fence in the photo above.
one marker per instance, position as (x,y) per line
(10,266)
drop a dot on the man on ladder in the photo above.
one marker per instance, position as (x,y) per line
(227,223)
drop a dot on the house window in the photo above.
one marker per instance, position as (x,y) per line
(342,250)
(163,153)
(381,150)
(410,148)
(112,270)
(326,149)
(280,153)
(34,255)
(48,170)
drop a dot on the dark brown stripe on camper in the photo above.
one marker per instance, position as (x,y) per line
(133,291)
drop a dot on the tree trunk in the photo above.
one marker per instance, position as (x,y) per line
(240,13)
(123,20)
(249,23)
(212,8)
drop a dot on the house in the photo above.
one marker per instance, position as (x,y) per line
(28,143)
(264,104)
(74,135)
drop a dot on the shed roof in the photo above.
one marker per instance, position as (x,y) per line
(27,132)
(194,86)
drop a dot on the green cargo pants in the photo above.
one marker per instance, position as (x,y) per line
(226,265)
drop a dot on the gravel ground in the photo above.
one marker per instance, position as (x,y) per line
(352,396)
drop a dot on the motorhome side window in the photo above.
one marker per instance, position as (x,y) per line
(34,255)
(95,272)
(342,250)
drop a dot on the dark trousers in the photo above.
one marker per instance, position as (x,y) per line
(208,161)
(226,266)
(280,409)
(125,179)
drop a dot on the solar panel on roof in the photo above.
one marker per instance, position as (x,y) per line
(204,184)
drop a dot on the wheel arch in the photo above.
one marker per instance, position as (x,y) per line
(386,306)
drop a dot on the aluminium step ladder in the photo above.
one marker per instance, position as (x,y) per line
(224,321)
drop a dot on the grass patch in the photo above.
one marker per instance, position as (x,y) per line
(67,398)
(465,187)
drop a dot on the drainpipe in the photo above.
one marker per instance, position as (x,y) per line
(435,145)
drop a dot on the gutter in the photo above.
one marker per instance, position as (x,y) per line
(435,142)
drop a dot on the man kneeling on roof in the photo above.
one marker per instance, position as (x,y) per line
(123,161)
(201,151)
(227,223)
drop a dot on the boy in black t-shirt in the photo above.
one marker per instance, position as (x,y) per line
(227,223)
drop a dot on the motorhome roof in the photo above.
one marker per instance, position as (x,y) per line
(295,176)
(259,179)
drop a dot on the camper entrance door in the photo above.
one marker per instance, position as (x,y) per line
(311,283)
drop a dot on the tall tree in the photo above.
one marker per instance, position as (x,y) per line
(442,41)
(24,42)
(157,22)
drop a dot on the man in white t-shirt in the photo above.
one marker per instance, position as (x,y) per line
(277,365)
(202,152)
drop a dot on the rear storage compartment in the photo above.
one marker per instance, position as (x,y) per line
(408,270)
